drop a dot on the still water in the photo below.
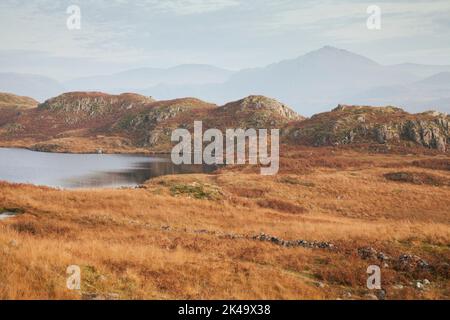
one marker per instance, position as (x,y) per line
(71,171)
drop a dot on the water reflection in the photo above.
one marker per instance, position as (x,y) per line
(87,170)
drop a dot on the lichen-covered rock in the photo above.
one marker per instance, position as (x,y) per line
(432,134)
(364,124)
(154,125)
(80,106)
(257,112)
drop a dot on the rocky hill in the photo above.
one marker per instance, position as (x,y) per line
(154,126)
(256,112)
(380,125)
(133,120)
(70,115)
(81,106)
(128,122)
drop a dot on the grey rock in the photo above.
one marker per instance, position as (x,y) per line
(347,295)
(367,253)
(320,284)
(419,285)
(381,294)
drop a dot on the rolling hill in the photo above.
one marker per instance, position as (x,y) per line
(89,121)
(12,101)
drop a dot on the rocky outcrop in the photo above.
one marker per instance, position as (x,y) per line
(150,118)
(294,243)
(153,126)
(432,133)
(257,112)
(404,262)
(255,103)
(364,124)
(148,123)
(78,106)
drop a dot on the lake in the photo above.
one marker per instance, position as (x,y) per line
(72,171)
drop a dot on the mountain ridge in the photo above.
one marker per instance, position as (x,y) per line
(130,122)
(316,80)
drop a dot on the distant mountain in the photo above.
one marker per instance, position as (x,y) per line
(420,70)
(429,93)
(35,86)
(136,79)
(439,79)
(318,79)
(310,83)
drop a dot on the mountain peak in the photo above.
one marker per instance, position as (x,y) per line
(328,54)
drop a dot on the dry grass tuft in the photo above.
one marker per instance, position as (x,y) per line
(190,236)
(417,178)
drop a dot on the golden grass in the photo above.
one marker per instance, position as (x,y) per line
(152,243)
(106,144)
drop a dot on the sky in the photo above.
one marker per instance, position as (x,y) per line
(116,35)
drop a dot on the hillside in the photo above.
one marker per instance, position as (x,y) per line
(128,122)
(153,127)
(309,232)
(12,106)
(12,101)
(89,121)
(375,125)
(70,121)
(76,107)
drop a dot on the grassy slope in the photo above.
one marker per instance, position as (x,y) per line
(168,240)
(11,101)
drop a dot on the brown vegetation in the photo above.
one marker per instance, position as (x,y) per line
(191,236)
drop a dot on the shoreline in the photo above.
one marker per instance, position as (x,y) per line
(104,151)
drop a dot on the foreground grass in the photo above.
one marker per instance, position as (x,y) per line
(190,237)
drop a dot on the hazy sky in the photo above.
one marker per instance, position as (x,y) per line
(121,34)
